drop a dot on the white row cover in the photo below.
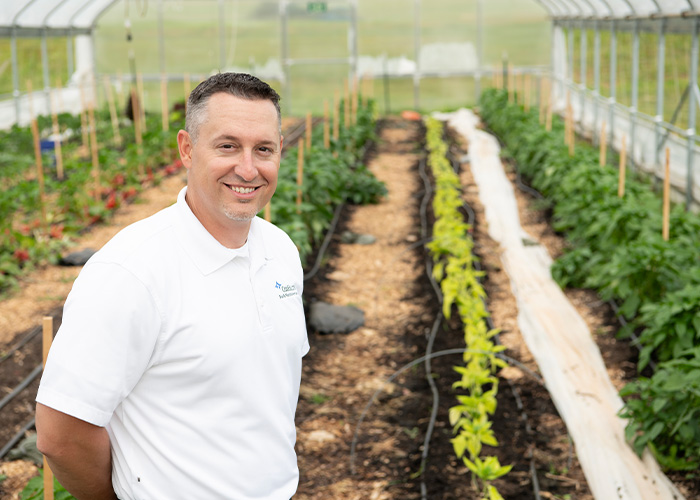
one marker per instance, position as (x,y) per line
(616,9)
(27,16)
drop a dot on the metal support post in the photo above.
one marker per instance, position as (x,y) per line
(287,85)
(222,36)
(635,93)
(353,42)
(613,84)
(15,75)
(70,55)
(416,47)
(596,79)
(584,74)
(161,38)
(692,102)
(45,68)
(660,77)
(479,46)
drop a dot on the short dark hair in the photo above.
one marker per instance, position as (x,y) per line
(240,85)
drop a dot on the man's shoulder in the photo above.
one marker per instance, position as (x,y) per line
(275,238)
(143,237)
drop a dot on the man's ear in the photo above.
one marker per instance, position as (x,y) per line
(184,146)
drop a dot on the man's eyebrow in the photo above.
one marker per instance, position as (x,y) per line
(233,138)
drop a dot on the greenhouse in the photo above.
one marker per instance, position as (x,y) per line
(495,206)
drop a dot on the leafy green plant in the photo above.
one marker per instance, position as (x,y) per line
(664,411)
(451,250)
(35,489)
(616,248)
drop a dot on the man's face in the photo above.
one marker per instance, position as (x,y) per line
(234,164)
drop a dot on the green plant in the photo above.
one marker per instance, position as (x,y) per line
(35,489)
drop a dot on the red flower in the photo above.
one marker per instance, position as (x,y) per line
(21,255)
(56,231)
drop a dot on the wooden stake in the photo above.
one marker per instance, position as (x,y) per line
(542,100)
(136,111)
(509,79)
(57,134)
(112,111)
(353,116)
(47,326)
(39,170)
(308,131)
(527,92)
(120,88)
(186,84)
(346,103)
(59,100)
(326,127)
(300,175)
(93,149)
(336,115)
(164,102)
(30,99)
(548,119)
(623,166)
(83,119)
(667,196)
(142,106)
(603,146)
(268,210)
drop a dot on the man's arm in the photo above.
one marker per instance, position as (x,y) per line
(77,452)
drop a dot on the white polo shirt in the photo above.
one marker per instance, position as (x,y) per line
(189,353)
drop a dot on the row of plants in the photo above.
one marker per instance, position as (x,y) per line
(332,176)
(451,251)
(615,246)
(74,202)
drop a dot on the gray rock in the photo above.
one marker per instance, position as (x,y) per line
(26,450)
(328,318)
(359,239)
(77,258)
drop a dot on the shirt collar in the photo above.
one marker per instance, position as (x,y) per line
(205,251)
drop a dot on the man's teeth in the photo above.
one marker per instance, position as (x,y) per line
(241,189)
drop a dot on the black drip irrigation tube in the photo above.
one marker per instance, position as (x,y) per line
(427,194)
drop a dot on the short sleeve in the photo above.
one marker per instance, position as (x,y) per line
(107,339)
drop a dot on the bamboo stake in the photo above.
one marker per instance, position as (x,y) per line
(603,146)
(93,148)
(509,79)
(346,103)
(300,174)
(186,84)
(83,120)
(112,111)
(667,196)
(548,119)
(527,92)
(59,93)
(39,170)
(336,115)
(542,100)
(120,88)
(308,131)
(572,130)
(142,106)
(136,111)
(268,210)
(353,116)
(164,103)
(57,134)
(47,338)
(326,128)
(30,99)
(623,166)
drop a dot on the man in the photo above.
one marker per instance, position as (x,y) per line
(176,371)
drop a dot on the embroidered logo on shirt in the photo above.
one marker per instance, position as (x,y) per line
(287,290)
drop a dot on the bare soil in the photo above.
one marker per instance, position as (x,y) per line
(388,281)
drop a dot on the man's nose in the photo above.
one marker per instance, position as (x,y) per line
(245,168)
